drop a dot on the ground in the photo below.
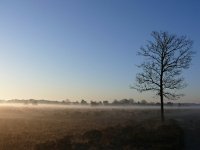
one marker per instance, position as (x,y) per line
(24,126)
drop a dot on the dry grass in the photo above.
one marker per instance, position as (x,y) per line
(23,127)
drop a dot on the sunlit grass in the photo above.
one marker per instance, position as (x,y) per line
(24,126)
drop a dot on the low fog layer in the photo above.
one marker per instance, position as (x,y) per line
(60,106)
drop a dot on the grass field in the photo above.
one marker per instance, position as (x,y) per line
(37,127)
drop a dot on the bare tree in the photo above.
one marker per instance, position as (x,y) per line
(165,58)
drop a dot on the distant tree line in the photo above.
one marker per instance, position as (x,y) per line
(122,102)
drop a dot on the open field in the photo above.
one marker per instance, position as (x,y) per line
(25,126)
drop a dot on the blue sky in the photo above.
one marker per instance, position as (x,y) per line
(85,49)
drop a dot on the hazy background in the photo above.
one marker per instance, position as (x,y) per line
(85,49)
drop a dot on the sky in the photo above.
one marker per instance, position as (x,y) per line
(87,49)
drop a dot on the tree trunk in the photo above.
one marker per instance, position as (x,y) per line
(162,107)
(161,98)
(161,90)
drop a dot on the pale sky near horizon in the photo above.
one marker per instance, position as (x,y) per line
(85,49)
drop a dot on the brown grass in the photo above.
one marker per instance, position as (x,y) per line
(24,127)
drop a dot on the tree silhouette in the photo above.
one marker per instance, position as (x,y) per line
(165,58)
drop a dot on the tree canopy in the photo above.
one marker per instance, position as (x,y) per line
(165,58)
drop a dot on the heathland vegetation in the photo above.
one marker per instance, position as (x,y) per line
(55,127)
